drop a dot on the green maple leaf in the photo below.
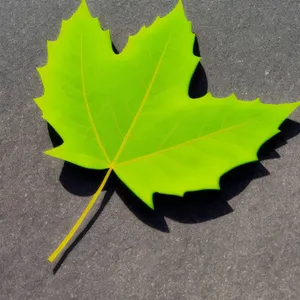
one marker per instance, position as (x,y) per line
(131,113)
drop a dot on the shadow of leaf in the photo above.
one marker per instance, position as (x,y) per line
(194,207)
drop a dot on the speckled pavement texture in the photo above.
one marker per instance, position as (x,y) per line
(242,243)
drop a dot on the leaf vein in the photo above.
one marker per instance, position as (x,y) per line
(142,105)
(183,144)
(87,103)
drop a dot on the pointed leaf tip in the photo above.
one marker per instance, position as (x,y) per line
(179,9)
(179,5)
(83,3)
(150,204)
(83,9)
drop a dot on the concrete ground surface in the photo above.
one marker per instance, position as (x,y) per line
(242,243)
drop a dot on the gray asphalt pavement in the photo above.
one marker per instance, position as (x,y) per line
(242,243)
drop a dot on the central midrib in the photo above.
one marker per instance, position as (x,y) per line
(146,96)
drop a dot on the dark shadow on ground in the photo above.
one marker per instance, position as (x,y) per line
(198,85)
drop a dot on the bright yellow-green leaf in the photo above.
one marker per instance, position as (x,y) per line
(131,112)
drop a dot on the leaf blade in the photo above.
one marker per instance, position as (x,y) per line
(154,115)
(154,136)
